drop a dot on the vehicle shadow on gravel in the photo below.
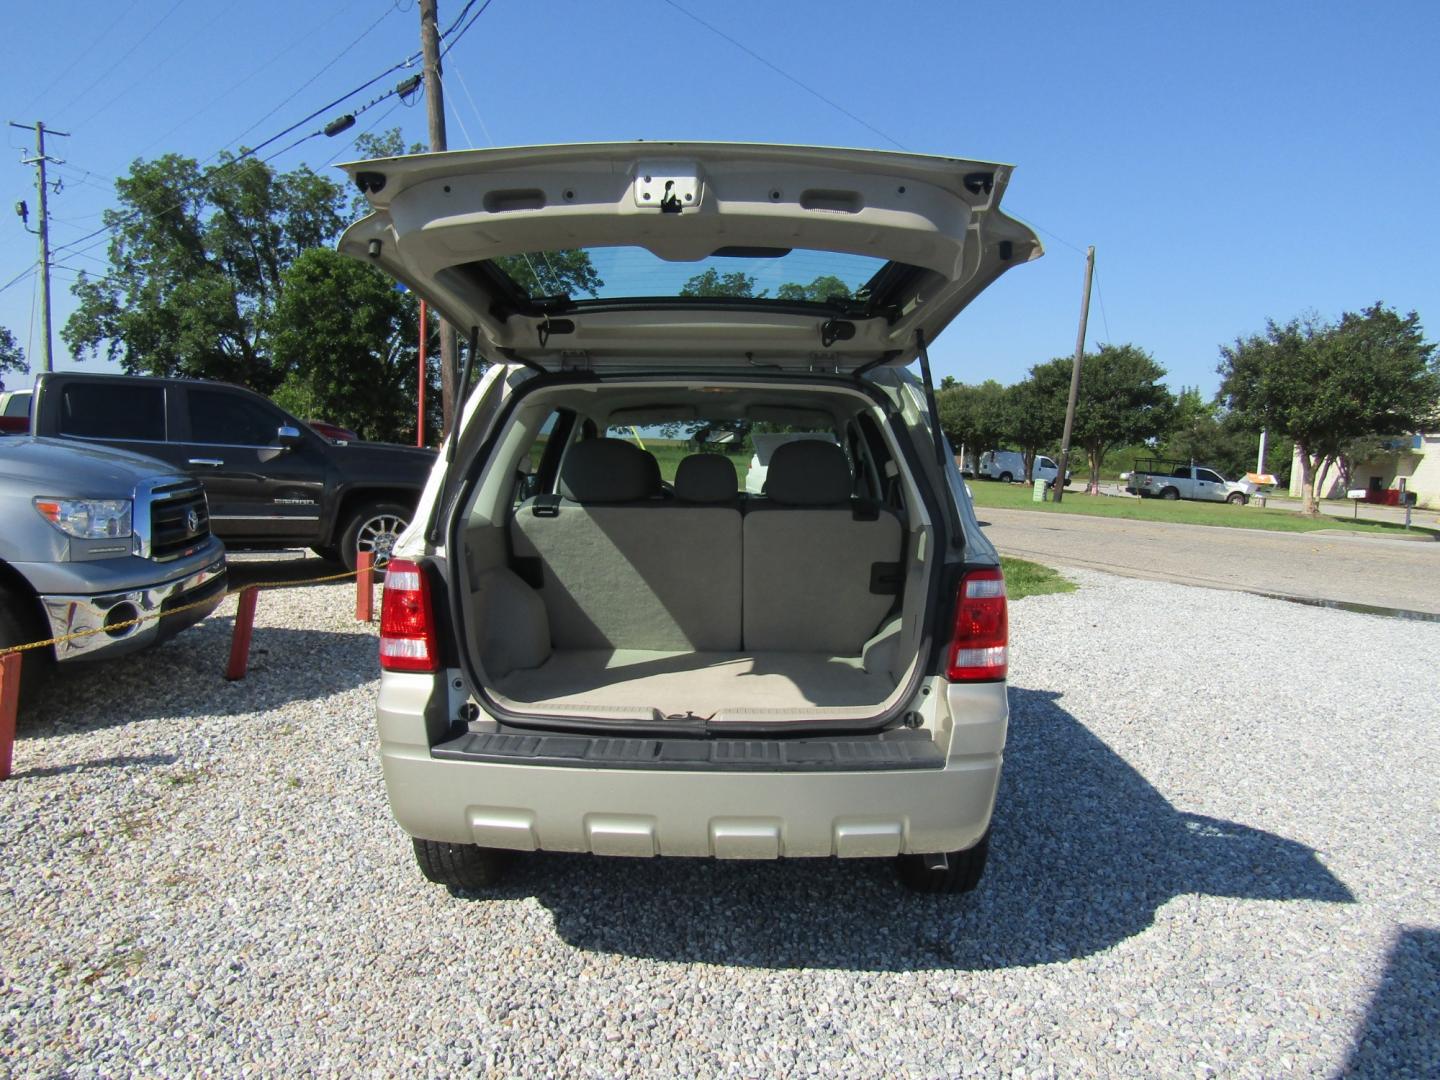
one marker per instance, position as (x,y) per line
(1401,1032)
(1084,852)
(185,677)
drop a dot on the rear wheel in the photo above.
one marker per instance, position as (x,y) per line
(1006,478)
(954,872)
(459,866)
(374,527)
(20,624)
(1170,493)
(1236,498)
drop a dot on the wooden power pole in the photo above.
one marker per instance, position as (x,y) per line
(1075,376)
(42,186)
(435,109)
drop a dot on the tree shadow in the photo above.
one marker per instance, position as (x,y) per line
(1084,852)
(1401,1033)
(118,761)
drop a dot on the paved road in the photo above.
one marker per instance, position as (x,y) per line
(1401,574)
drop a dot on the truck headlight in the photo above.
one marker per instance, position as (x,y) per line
(87,519)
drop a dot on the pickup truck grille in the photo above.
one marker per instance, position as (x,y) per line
(179,519)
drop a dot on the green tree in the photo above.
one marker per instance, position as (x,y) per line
(1033,410)
(972,417)
(566,272)
(12,357)
(1121,401)
(823,288)
(713,283)
(1323,385)
(196,260)
(345,342)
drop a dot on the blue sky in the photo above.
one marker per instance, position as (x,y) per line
(1230,162)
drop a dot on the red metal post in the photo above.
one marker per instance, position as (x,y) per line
(420,421)
(240,639)
(365,586)
(9,704)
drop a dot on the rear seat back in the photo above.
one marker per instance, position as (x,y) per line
(618,568)
(820,567)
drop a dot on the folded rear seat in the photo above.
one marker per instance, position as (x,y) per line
(820,567)
(620,568)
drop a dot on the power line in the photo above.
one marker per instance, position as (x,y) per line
(122,58)
(785,74)
(254,150)
(65,70)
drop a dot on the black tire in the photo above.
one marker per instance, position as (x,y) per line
(1006,478)
(459,866)
(20,623)
(1170,493)
(1236,498)
(375,525)
(961,875)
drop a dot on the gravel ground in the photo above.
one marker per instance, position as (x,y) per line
(1196,871)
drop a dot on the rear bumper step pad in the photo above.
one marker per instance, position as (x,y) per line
(893,750)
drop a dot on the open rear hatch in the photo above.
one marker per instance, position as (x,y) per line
(626,256)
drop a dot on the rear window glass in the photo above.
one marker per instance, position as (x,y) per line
(599,275)
(18,405)
(113,411)
(747,445)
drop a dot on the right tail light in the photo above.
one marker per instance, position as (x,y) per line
(980,643)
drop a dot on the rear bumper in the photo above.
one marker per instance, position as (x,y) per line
(720,814)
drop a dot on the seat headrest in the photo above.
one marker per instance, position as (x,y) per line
(808,473)
(608,471)
(706,478)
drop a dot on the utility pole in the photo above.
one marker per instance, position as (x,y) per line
(43,187)
(435,109)
(1075,376)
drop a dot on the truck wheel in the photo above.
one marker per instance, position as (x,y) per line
(459,866)
(19,625)
(1236,498)
(961,873)
(1006,478)
(375,527)
(1170,493)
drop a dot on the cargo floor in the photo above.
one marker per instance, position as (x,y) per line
(698,683)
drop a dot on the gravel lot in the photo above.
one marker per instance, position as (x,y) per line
(1196,871)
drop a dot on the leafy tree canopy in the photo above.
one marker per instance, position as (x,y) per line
(1325,384)
(1121,401)
(972,417)
(823,288)
(196,264)
(12,357)
(713,283)
(345,343)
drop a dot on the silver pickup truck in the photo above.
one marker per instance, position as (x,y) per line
(94,538)
(1153,478)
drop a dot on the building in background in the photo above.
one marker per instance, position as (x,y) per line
(1412,458)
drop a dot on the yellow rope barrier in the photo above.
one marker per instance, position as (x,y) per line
(172,611)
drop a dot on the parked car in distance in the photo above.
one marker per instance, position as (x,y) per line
(271,481)
(93,538)
(1160,479)
(333,432)
(1009,465)
(577,658)
(15,412)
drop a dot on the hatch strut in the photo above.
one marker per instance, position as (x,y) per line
(942,449)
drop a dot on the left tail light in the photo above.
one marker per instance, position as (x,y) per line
(980,642)
(407,620)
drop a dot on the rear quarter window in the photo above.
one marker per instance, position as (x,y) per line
(113,411)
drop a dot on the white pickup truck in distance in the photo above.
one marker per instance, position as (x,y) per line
(1172,480)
